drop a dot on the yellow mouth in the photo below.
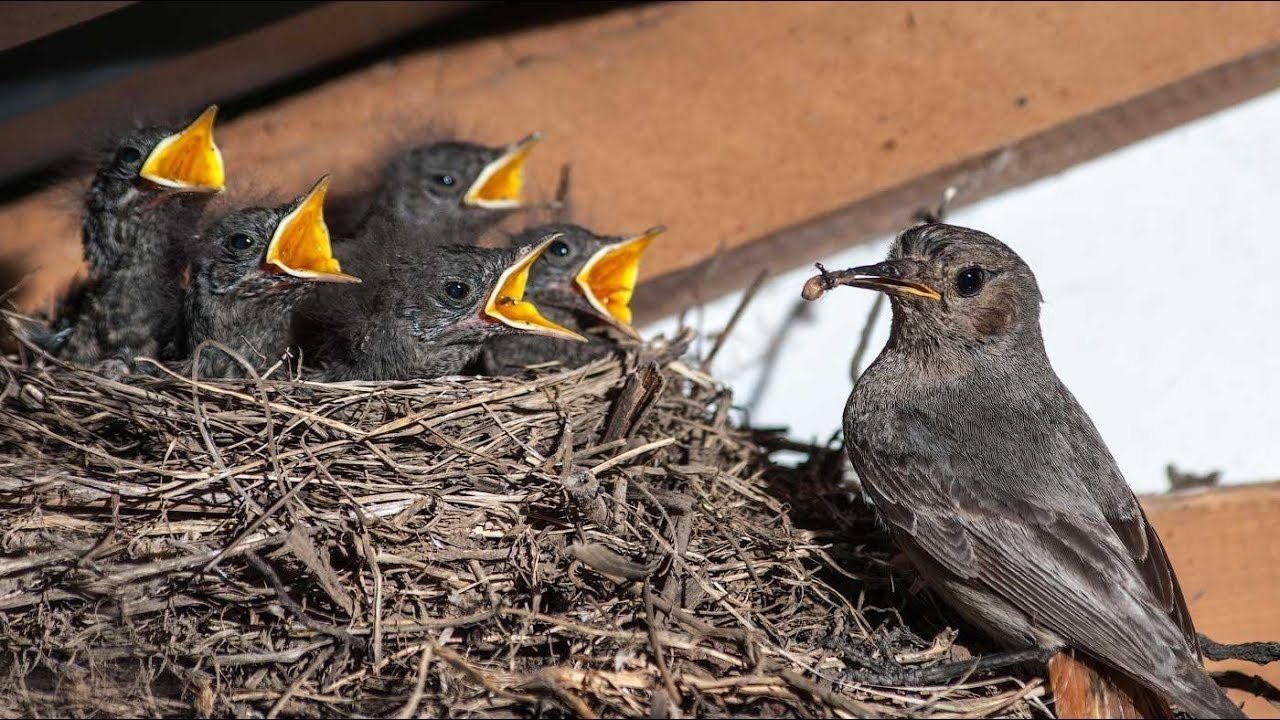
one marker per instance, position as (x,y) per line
(507,304)
(608,279)
(300,245)
(500,183)
(188,160)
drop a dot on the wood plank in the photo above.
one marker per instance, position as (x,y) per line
(217,73)
(975,178)
(741,124)
(25,21)
(1226,552)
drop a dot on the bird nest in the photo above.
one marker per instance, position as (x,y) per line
(600,541)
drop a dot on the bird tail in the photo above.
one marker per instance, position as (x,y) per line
(1085,688)
(1199,696)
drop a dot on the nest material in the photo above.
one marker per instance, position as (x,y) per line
(602,541)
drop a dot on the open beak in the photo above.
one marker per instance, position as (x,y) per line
(608,279)
(507,304)
(188,160)
(499,184)
(300,245)
(886,277)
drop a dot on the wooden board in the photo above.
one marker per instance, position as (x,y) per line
(1226,551)
(218,72)
(25,21)
(742,124)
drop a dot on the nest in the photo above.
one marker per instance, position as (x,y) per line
(604,541)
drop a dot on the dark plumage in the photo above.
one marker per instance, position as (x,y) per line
(421,311)
(143,203)
(438,192)
(250,268)
(555,287)
(994,481)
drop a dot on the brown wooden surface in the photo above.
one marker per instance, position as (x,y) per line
(22,21)
(1225,548)
(222,71)
(732,123)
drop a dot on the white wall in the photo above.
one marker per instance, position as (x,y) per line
(1158,265)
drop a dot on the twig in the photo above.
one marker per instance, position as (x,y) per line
(738,311)
(1260,653)
(410,708)
(347,639)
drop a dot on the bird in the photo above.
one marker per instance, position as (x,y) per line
(584,282)
(998,488)
(423,311)
(436,191)
(249,269)
(143,200)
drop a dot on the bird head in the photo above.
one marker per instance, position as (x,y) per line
(158,162)
(585,272)
(187,160)
(273,248)
(424,311)
(459,183)
(950,284)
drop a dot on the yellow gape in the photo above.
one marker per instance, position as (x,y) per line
(507,304)
(499,185)
(188,160)
(608,279)
(300,245)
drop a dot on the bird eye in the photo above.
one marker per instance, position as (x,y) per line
(445,180)
(130,155)
(559,248)
(457,290)
(970,281)
(239,242)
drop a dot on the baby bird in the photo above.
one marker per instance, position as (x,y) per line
(250,268)
(437,191)
(424,311)
(583,282)
(145,197)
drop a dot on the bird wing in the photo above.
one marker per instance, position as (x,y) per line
(1068,572)
(1149,558)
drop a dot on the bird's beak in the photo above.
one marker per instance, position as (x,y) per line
(507,304)
(500,182)
(885,277)
(188,160)
(300,245)
(608,279)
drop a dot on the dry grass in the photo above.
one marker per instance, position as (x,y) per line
(602,541)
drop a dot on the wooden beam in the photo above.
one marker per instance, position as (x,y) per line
(217,73)
(1021,161)
(26,21)
(782,131)
(1226,552)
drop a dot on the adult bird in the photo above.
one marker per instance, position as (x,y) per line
(999,489)
(250,268)
(145,198)
(442,190)
(423,311)
(584,282)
